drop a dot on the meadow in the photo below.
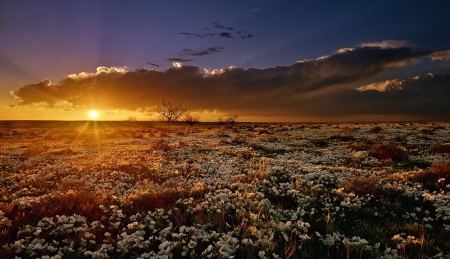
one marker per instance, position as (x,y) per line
(147,190)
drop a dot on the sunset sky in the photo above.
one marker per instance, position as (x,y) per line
(264,60)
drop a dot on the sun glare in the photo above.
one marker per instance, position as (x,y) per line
(93,114)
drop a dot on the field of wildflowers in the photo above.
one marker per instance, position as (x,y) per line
(140,190)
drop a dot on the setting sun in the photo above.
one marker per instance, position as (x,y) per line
(93,114)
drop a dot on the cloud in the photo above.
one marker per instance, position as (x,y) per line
(202,52)
(153,64)
(219,26)
(423,97)
(385,44)
(42,92)
(246,36)
(225,35)
(180,59)
(178,64)
(198,35)
(382,86)
(99,71)
(317,87)
(219,34)
(441,55)
(204,35)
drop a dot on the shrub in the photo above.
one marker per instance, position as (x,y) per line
(441,170)
(427,131)
(269,151)
(361,186)
(239,139)
(245,155)
(376,129)
(439,149)
(161,145)
(224,142)
(263,132)
(342,138)
(319,142)
(35,150)
(387,151)
(359,147)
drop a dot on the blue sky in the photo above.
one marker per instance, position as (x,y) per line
(54,39)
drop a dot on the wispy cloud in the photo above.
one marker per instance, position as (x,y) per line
(180,59)
(153,64)
(219,26)
(222,34)
(198,35)
(201,52)
(387,44)
(441,55)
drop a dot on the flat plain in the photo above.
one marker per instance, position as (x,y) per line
(148,190)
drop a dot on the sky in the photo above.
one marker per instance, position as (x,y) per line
(267,61)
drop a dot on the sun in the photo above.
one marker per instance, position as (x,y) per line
(93,114)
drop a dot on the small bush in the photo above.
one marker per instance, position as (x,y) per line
(344,138)
(441,170)
(361,186)
(319,142)
(387,151)
(222,133)
(399,139)
(439,149)
(273,139)
(359,147)
(161,145)
(223,142)
(245,155)
(35,150)
(376,129)
(427,131)
(269,151)
(238,140)
(264,132)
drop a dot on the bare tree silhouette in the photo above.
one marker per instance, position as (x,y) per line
(190,119)
(170,112)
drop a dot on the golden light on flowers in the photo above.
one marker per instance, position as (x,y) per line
(93,114)
(167,215)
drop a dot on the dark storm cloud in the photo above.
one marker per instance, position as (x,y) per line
(423,97)
(180,59)
(202,52)
(308,88)
(39,92)
(153,64)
